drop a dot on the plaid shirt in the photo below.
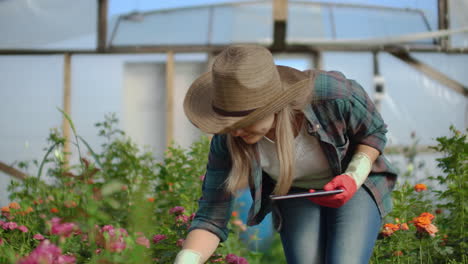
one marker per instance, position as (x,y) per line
(341,116)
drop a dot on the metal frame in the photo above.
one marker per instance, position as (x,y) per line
(279,39)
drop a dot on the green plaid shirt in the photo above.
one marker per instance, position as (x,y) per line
(341,116)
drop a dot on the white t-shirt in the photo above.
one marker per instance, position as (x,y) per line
(312,169)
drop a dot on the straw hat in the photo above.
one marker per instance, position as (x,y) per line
(243,86)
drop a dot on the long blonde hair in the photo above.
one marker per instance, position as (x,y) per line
(242,154)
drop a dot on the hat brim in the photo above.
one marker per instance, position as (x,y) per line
(198,102)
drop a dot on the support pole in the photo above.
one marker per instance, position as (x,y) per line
(317,59)
(280,15)
(102,25)
(378,82)
(442,6)
(66,102)
(169,98)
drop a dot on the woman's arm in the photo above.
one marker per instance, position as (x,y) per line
(198,247)
(371,152)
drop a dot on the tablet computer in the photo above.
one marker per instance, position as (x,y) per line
(305,194)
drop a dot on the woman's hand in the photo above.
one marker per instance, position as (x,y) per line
(343,182)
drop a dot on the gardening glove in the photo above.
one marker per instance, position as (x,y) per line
(188,256)
(349,182)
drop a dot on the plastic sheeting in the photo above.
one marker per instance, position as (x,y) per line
(29,96)
(224,24)
(411,98)
(48,24)
(458,18)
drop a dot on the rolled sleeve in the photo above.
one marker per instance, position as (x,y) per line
(365,124)
(215,205)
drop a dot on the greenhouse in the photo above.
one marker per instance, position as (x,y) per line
(100,164)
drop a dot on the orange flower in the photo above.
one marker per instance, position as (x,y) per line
(150,199)
(14,205)
(431,229)
(423,224)
(404,226)
(389,229)
(69,204)
(421,221)
(427,215)
(54,210)
(398,253)
(235,214)
(420,187)
(29,210)
(5,209)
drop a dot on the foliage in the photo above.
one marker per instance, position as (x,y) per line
(441,237)
(117,206)
(121,205)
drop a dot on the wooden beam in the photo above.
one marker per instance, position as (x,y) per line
(66,102)
(12,171)
(102,25)
(292,48)
(169,98)
(431,72)
(443,21)
(280,18)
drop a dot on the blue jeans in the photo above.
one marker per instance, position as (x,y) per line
(312,234)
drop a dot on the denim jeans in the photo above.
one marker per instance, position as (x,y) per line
(312,234)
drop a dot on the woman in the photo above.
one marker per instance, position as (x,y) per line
(279,130)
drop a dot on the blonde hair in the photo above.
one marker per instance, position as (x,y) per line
(242,154)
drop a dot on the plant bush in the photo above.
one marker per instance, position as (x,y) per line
(117,206)
(428,225)
(121,205)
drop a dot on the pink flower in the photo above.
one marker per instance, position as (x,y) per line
(123,232)
(10,225)
(1,241)
(181,219)
(117,246)
(143,241)
(38,237)
(233,259)
(23,229)
(47,253)
(62,229)
(202,177)
(158,238)
(65,259)
(107,228)
(177,210)
(180,242)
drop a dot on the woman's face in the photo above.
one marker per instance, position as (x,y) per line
(255,132)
